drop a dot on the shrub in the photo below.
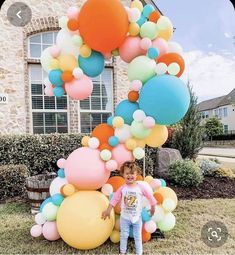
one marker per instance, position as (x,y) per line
(208,167)
(185,173)
(225,172)
(12,181)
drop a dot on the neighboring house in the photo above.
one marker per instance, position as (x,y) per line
(222,107)
(27,109)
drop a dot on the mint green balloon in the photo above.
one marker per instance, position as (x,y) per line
(105,155)
(138,153)
(77,40)
(49,211)
(167,223)
(141,68)
(138,130)
(149,29)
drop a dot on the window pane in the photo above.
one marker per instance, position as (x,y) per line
(85,104)
(36,89)
(35,50)
(37,102)
(62,129)
(49,130)
(62,119)
(36,73)
(50,119)
(106,104)
(105,117)
(95,103)
(35,39)
(37,119)
(96,89)
(47,38)
(85,122)
(44,46)
(49,102)
(61,103)
(38,130)
(96,119)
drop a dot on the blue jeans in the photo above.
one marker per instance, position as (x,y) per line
(137,233)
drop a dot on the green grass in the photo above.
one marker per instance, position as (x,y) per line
(16,221)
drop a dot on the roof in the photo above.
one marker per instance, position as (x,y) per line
(217,102)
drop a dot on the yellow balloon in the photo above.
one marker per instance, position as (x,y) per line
(148,178)
(137,4)
(68,190)
(115,236)
(85,140)
(85,51)
(167,192)
(79,220)
(131,144)
(118,122)
(67,62)
(166,33)
(140,142)
(54,64)
(157,137)
(134,29)
(117,224)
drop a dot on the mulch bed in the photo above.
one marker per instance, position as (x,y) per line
(212,187)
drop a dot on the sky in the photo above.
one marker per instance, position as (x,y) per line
(206,31)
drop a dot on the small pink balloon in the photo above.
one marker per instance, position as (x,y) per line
(121,154)
(49,90)
(50,232)
(73,12)
(85,169)
(55,51)
(150,226)
(79,89)
(131,49)
(149,122)
(136,85)
(161,45)
(155,184)
(61,162)
(36,230)
(145,43)
(111,165)
(107,55)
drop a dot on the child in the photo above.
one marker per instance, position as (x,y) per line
(130,194)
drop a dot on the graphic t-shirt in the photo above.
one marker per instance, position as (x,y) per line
(131,200)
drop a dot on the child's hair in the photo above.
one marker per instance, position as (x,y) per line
(132,166)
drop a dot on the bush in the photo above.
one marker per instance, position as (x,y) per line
(185,173)
(223,137)
(12,181)
(38,152)
(208,167)
(225,172)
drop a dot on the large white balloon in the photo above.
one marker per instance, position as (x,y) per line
(123,133)
(46,59)
(159,214)
(56,185)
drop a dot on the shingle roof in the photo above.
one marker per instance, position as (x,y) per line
(218,101)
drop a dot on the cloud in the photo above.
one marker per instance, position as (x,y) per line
(227,35)
(211,74)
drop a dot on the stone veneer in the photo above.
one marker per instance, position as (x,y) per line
(15,117)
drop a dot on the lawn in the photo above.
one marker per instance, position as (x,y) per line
(16,221)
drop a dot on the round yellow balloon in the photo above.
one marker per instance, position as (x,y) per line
(148,178)
(115,236)
(118,122)
(131,144)
(54,64)
(137,4)
(134,29)
(140,142)
(85,140)
(167,192)
(68,190)
(67,62)
(85,51)
(166,33)
(157,137)
(79,220)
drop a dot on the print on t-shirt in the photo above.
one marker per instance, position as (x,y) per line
(130,202)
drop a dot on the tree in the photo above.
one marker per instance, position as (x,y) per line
(213,126)
(188,133)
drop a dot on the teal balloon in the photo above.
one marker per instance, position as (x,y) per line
(138,130)
(93,65)
(113,141)
(61,173)
(110,121)
(141,20)
(58,91)
(165,98)
(148,9)
(57,199)
(153,52)
(141,68)
(149,29)
(145,215)
(125,109)
(46,201)
(55,77)
(111,196)
(163,183)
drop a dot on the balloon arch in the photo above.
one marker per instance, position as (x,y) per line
(140,36)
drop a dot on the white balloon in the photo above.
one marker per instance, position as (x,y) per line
(46,82)
(107,189)
(168,205)
(40,219)
(173,69)
(46,59)
(159,214)
(56,185)
(78,73)
(63,22)
(175,47)
(134,14)
(139,115)
(123,133)
(161,68)
(93,143)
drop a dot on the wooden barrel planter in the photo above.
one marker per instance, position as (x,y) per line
(38,189)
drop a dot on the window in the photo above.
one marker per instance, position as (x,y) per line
(216,112)
(99,106)
(225,111)
(205,114)
(220,112)
(49,114)
(225,129)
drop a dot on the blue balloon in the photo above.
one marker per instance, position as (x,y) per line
(58,91)
(145,215)
(110,121)
(153,52)
(55,77)
(93,65)
(165,98)
(141,20)
(125,109)
(163,183)
(48,200)
(113,141)
(111,196)
(60,173)
(148,9)
(57,199)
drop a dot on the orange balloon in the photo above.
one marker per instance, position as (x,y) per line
(67,76)
(169,58)
(139,178)
(133,96)
(154,16)
(103,24)
(116,182)
(103,132)
(158,197)
(73,24)
(145,236)
(117,208)
(105,146)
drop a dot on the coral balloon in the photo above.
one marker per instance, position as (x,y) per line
(67,76)
(73,24)
(121,154)
(133,96)
(145,236)
(103,24)
(103,132)
(157,137)
(154,16)
(116,182)
(167,192)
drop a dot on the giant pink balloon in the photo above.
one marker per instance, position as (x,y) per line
(50,232)
(85,169)
(161,44)
(79,89)
(131,49)
(121,155)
